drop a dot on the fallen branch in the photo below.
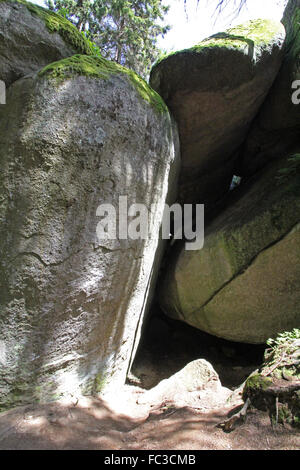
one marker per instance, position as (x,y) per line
(269,371)
(236,420)
(277,390)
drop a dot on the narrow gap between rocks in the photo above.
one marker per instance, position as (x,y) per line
(168,345)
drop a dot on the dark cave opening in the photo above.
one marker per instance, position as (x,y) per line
(168,345)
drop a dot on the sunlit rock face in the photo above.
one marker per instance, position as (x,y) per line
(244,284)
(214,91)
(196,384)
(32,37)
(72,304)
(276,129)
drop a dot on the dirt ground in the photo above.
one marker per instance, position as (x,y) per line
(125,421)
(92,425)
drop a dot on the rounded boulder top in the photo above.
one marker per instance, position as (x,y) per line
(215,90)
(254,39)
(32,37)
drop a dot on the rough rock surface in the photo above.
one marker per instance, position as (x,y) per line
(71,304)
(277,127)
(214,91)
(244,284)
(32,37)
(197,382)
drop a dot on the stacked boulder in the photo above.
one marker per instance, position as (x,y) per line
(76,134)
(232,98)
(275,131)
(244,284)
(32,37)
(215,90)
(79,132)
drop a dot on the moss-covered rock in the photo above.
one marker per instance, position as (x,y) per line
(257,383)
(72,303)
(291,21)
(271,388)
(214,90)
(98,67)
(250,35)
(275,130)
(55,23)
(243,285)
(32,37)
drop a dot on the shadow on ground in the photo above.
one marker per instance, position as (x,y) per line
(91,424)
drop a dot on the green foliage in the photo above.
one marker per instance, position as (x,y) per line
(266,392)
(282,357)
(237,5)
(284,353)
(283,338)
(125,31)
(288,341)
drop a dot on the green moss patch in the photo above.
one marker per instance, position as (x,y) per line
(57,24)
(275,387)
(99,383)
(261,31)
(293,26)
(98,67)
(253,33)
(293,36)
(256,382)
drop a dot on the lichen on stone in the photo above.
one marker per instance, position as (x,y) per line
(98,67)
(57,24)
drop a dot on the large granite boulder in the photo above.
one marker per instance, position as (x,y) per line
(244,284)
(82,132)
(277,127)
(214,91)
(32,37)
